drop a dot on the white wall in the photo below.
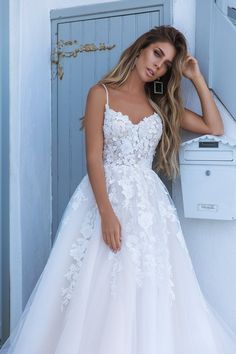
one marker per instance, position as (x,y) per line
(211,243)
(30,120)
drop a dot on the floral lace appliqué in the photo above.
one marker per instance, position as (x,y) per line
(146,246)
(77,253)
(128,143)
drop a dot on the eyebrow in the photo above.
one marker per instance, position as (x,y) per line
(171,62)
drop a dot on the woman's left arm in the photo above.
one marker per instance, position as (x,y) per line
(210,122)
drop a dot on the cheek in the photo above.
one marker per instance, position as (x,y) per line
(147,57)
(163,69)
(142,62)
(150,56)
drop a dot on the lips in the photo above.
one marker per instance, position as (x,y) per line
(150,72)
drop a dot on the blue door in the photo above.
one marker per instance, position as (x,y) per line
(87,42)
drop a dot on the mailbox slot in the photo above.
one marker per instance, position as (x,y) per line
(208,144)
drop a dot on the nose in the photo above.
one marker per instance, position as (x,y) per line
(159,63)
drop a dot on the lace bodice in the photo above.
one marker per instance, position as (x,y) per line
(128,143)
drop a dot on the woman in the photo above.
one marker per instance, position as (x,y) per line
(119,278)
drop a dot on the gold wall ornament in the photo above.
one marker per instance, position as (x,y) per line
(58,52)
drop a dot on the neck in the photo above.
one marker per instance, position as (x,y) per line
(134,84)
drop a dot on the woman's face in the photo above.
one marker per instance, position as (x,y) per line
(154,60)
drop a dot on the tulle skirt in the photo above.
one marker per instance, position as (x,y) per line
(144,299)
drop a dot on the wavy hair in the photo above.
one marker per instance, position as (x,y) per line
(168,105)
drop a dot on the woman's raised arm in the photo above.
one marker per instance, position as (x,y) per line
(210,122)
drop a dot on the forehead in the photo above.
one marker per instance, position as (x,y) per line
(165,47)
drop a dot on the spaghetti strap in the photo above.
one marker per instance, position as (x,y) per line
(106,93)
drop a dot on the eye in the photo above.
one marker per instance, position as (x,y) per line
(156,52)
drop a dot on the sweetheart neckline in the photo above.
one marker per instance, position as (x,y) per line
(128,118)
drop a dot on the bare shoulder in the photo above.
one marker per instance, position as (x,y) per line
(95,106)
(97,93)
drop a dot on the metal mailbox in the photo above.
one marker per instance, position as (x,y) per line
(208,177)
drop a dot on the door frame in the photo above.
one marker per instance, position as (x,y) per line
(4,174)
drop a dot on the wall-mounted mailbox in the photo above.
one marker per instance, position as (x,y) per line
(208,177)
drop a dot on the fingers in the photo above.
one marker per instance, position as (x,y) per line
(113,240)
(111,231)
(115,243)
(117,239)
(190,57)
(105,238)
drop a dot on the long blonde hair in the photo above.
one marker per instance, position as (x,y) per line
(168,105)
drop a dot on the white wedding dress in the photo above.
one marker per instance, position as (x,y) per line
(144,299)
